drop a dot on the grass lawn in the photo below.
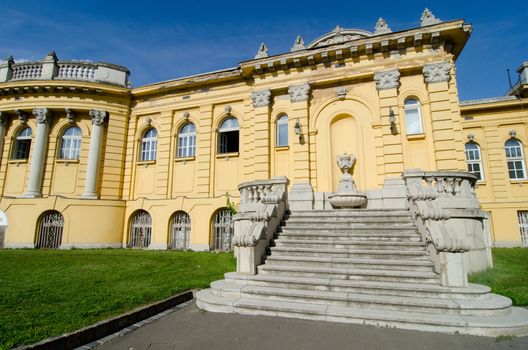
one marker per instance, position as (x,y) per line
(509,275)
(45,293)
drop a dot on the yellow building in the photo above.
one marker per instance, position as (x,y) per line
(87,161)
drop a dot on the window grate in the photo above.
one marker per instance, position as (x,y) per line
(523,226)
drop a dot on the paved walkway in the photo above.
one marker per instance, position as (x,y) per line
(192,328)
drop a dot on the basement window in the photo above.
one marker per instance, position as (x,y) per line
(228,136)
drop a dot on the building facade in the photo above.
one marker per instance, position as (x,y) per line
(88,161)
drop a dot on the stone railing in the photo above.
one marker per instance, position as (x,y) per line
(446,212)
(262,206)
(50,68)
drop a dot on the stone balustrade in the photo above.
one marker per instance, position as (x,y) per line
(262,206)
(447,214)
(50,68)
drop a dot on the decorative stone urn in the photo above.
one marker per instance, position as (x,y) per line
(348,196)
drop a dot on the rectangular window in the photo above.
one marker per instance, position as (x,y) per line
(22,149)
(522,215)
(282,135)
(412,120)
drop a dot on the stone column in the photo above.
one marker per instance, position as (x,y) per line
(38,158)
(3,125)
(94,155)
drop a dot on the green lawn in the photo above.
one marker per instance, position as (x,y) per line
(509,275)
(45,293)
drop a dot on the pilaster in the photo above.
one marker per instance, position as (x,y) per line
(204,146)
(299,97)
(261,133)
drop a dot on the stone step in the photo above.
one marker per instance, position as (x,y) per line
(366,287)
(350,236)
(496,305)
(388,230)
(349,252)
(350,273)
(350,213)
(515,323)
(329,224)
(388,264)
(350,219)
(332,243)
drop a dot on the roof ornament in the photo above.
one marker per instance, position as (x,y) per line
(338,30)
(428,18)
(382,27)
(298,44)
(262,51)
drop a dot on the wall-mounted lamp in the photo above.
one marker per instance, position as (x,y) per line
(392,117)
(297,128)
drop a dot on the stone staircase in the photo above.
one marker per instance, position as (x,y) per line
(360,266)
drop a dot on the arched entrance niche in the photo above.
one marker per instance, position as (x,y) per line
(345,126)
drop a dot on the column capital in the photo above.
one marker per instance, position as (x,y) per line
(22,116)
(389,79)
(42,115)
(98,116)
(299,93)
(437,72)
(261,98)
(3,118)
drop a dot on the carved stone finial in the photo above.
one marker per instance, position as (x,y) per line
(338,29)
(428,18)
(437,72)
(70,114)
(98,116)
(345,162)
(9,60)
(382,27)
(3,118)
(341,92)
(513,133)
(42,115)
(51,56)
(298,44)
(228,109)
(261,98)
(299,93)
(387,79)
(471,137)
(186,115)
(262,51)
(22,116)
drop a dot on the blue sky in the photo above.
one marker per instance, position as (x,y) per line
(162,40)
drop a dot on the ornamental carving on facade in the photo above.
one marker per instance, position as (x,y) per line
(428,18)
(42,115)
(98,116)
(341,92)
(387,79)
(298,44)
(22,116)
(340,37)
(3,119)
(70,114)
(382,27)
(437,72)
(299,93)
(261,98)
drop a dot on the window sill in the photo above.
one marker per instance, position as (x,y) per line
(282,148)
(184,159)
(18,161)
(519,182)
(67,161)
(416,137)
(227,156)
(146,163)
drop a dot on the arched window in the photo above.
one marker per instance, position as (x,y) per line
(474,160)
(515,159)
(282,131)
(187,141)
(23,144)
(228,136)
(413,116)
(149,143)
(223,229)
(49,234)
(140,230)
(180,231)
(71,143)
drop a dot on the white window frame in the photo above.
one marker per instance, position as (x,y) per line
(282,123)
(514,160)
(522,216)
(228,125)
(413,104)
(187,141)
(71,144)
(149,144)
(24,136)
(477,159)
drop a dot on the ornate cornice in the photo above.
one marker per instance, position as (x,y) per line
(387,79)
(261,98)
(299,93)
(437,72)
(98,116)
(42,115)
